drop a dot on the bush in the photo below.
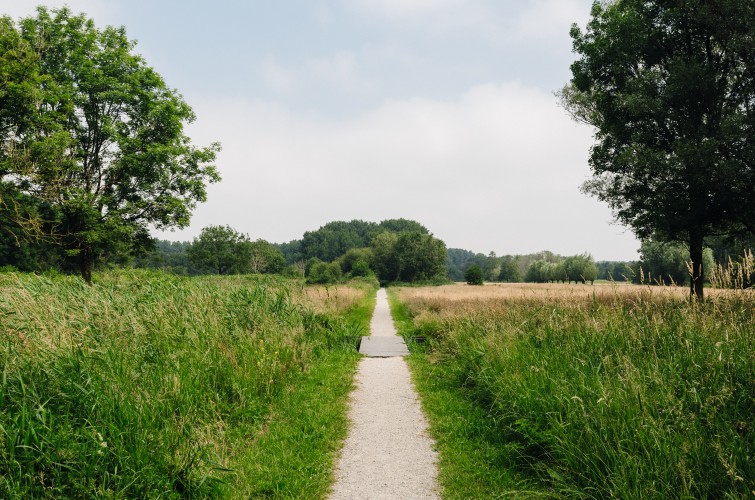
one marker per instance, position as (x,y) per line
(473,275)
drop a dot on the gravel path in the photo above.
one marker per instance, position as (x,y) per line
(388,453)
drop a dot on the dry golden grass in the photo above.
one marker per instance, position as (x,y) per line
(459,292)
(333,298)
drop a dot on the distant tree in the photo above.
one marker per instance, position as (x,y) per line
(264,258)
(580,268)
(93,133)
(473,275)
(335,238)
(324,273)
(669,87)
(291,251)
(403,226)
(408,257)
(510,272)
(537,272)
(667,263)
(557,272)
(220,250)
(356,262)
(384,262)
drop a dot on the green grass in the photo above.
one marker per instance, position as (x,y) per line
(627,397)
(149,385)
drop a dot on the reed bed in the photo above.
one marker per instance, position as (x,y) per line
(137,386)
(620,392)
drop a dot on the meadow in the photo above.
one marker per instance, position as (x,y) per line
(576,391)
(151,385)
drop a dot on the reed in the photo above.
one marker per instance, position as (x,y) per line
(617,393)
(140,385)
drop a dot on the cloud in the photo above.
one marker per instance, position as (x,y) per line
(275,76)
(339,70)
(497,168)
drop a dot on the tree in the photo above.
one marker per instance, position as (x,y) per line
(473,275)
(264,258)
(408,257)
(220,250)
(580,268)
(670,88)
(101,142)
(510,272)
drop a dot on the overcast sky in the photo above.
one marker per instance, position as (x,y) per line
(441,111)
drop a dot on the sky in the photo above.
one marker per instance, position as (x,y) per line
(440,111)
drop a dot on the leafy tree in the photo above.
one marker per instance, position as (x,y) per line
(510,272)
(408,257)
(403,226)
(473,275)
(667,263)
(220,250)
(669,87)
(264,258)
(384,261)
(324,273)
(356,262)
(580,268)
(336,238)
(93,133)
(538,272)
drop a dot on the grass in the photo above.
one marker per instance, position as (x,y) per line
(149,385)
(581,395)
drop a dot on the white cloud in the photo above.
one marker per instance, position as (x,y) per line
(496,169)
(339,70)
(275,76)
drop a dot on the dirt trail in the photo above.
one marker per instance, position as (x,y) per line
(387,453)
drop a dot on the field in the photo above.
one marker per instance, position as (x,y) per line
(574,391)
(151,385)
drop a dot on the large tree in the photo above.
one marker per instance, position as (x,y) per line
(220,250)
(669,86)
(93,133)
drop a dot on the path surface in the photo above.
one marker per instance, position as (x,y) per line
(388,453)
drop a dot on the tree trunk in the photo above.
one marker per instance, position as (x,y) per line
(85,264)
(696,255)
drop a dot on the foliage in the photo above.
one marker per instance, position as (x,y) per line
(219,250)
(264,258)
(668,263)
(623,395)
(325,273)
(95,134)
(669,87)
(356,262)
(509,270)
(408,257)
(473,275)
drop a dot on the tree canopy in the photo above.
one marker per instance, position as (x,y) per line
(670,88)
(93,135)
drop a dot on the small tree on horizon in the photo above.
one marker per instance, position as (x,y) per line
(473,275)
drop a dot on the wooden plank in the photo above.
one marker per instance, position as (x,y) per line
(383,347)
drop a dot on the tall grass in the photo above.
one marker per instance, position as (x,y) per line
(131,387)
(609,396)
